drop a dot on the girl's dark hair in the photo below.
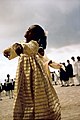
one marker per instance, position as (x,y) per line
(37,34)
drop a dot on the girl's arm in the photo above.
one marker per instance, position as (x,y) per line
(24,48)
(54,65)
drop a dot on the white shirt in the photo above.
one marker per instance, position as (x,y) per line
(78,68)
(74,65)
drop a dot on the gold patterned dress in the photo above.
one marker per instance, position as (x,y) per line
(34,95)
(45,60)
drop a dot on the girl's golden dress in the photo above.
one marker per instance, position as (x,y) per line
(34,95)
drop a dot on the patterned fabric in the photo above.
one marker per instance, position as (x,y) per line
(45,60)
(34,95)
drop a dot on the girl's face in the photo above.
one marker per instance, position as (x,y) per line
(28,35)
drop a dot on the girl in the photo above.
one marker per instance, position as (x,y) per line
(34,95)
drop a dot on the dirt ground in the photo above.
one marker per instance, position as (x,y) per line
(69,98)
(70,102)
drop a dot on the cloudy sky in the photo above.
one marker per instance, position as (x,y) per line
(61,18)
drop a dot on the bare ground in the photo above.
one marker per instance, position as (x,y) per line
(69,99)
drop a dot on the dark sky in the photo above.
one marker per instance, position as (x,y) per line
(61,18)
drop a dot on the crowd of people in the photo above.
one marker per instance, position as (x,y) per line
(67,75)
(7,88)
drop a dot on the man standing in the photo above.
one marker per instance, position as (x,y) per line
(78,70)
(74,65)
(69,70)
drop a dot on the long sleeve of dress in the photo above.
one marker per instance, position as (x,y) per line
(55,65)
(28,49)
(11,52)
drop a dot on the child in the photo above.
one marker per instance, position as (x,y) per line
(35,98)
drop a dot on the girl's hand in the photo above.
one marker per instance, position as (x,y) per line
(6,53)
